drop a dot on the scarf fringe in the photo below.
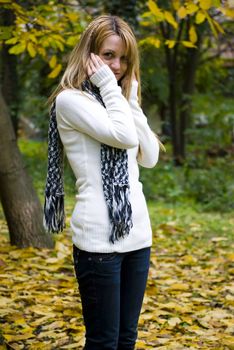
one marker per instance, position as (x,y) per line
(121,213)
(54,214)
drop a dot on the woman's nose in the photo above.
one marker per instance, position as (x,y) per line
(115,64)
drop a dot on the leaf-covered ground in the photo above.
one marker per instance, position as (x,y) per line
(189,301)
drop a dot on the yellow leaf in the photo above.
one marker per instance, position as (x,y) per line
(32,38)
(191,8)
(231,258)
(229,12)
(170,19)
(170,43)
(213,28)
(200,17)
(14,337)
(17,49)
(73,16)
(192,34)
(188,43)
(182,12)
(219,239)
(145,23)
(4,301)
(41,51)
(188,260)
(175,306)
(151,41)
(205,4)
(155,10)
(55,72)
(176,4)
(218,26)
(228,341)
(153,7)
(11,41)
(53,61)
(31,50)
(174,321)
(179,286)
(53,325)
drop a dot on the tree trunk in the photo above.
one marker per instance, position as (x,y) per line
(9,75)
(187,92)
(20,203)
(173,120)
(171,62)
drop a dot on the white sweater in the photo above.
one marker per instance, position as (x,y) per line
(84,124)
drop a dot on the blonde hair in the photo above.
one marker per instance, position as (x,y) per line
(90,41)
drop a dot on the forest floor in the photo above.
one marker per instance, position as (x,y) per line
(188,304)
(189,301)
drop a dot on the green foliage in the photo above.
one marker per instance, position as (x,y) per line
(154,75)
(208,187)
(35,158)
(212,186)
(215,117)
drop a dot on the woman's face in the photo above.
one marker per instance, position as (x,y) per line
(112,52)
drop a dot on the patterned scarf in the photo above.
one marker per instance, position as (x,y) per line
(115,181)
(54,214)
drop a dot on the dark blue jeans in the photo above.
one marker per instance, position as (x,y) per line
(112,287)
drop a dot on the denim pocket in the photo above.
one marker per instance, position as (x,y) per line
(103,257)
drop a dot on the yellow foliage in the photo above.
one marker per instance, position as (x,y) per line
(55,72)
(41,51)
(53,61)
(156,11)
(205,4)
(200,17)
(191,8)
(174,321)
(31,49)
(182,12)
(40,306)
(170,43)
(176,4)
(17,49)
(170,19)
(192,34)
(212,26)
(73,16)
(13,40)
(229,12)
(151,40)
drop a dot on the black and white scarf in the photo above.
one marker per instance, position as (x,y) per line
(115,181)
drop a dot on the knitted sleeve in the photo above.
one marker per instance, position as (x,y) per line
(113,125)
(148,144)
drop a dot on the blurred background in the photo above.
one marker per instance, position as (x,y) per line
(187,72)
(187,75)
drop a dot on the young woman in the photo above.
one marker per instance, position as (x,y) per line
(105,136)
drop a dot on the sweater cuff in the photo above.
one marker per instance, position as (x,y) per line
(103,76)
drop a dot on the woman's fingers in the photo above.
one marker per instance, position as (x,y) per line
(93,64)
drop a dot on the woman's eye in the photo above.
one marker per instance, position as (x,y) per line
(108,54)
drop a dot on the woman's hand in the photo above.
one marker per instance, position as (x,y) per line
(93,64)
